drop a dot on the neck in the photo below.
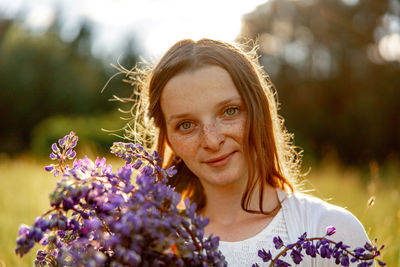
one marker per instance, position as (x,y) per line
(223,205)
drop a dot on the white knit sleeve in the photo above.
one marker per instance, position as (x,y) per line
(349,230)
(309,214)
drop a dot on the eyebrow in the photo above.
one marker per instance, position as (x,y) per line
(222,103)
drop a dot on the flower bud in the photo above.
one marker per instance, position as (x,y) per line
(330,230)
(49,168)
(55,148)
(72,154)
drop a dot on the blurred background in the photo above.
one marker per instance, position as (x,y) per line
(335,64)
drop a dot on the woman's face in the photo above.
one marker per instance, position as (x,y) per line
(205,121)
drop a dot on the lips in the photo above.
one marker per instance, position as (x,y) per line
(220,161)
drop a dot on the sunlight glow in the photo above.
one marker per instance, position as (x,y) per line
(40,17)
(389,47)
(153,25)
(159,24)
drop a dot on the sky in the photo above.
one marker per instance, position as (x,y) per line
(153,24)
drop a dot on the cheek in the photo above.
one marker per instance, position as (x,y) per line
(242,128)
(238,130)
(182,146)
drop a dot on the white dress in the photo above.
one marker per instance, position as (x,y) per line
(299,213)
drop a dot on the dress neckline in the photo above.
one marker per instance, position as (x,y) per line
(266,229)
(281,196)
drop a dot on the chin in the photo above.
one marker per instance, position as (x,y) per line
(224,179)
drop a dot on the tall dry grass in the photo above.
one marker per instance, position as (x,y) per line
(24,191)
(372,194)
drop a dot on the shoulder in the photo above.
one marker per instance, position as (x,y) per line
(316,207)
(317,215)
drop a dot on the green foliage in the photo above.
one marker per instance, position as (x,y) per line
(91,136)
(41,75)
(336,90)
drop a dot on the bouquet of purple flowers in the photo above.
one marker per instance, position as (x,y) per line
(101,218)
(131,217)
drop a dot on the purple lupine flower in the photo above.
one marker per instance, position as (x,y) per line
(330,230)
(302,238)
(278,242)
(368,246)
(36,234)
(311,250)
(68,204)
(49,168)
(116,199)
(125,173)
(55,148)
(281,263)
(23,230)
(365,264)
(74,142)
(40,255)
(172,171)
(296,256)
(53,156)
(72,154)
(61,142)
(325,251)
(137,164)
(381,263)
(41,223)
(139,147)
(61,233)
(155,154)
(100,163)
(265,256)
(73,225)
(44,241)
(345,261)
(93,223)
(107,170)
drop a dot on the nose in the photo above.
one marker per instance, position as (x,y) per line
(211,137)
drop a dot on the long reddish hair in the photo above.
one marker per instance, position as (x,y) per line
(270,155)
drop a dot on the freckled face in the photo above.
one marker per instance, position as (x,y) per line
(205,120)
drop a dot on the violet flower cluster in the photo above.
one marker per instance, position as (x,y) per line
(323,247)
(128,218)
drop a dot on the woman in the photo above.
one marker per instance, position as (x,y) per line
(216,118)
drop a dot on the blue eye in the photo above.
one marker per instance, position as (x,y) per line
(184,126)
(231,111)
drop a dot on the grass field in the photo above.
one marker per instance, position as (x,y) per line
(24,189)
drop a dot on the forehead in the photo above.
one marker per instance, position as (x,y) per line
(201,88)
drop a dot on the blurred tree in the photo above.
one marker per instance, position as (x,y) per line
(41,75)
(337,89)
